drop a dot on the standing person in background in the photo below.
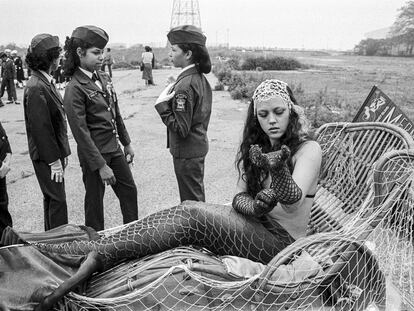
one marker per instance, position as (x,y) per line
(147,58)
(97,126)
(46,128)
(5,156)
(108,61)
(58,75)
(18,63)
(185,108)
(8,75)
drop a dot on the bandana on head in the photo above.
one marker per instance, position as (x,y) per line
(270,89)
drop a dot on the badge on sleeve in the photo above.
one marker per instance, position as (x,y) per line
(181,102)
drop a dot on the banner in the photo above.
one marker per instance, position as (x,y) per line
(379,107)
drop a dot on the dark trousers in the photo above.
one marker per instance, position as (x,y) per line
(124,188)
(5,217)
(190,175)
(54,197)
(11,89)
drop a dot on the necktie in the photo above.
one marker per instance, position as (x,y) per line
(95,77)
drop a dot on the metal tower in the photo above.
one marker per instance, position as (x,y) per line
(185,12)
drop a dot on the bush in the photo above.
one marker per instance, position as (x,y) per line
(271,63)
(223,72)
(123,65)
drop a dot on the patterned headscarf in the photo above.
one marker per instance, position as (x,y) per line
(272,88)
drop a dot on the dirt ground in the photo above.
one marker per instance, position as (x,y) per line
(153,170)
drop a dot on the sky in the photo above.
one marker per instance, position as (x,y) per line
(303,24)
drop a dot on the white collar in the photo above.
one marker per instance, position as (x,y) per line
(87,72)
(47,76)
(186,68)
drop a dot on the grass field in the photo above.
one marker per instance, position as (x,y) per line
(344,81)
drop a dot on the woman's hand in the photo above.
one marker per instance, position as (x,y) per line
(165,94)
(56,171)
(265,201)
(269,161)
(107,175)
(262,204)
(129,153)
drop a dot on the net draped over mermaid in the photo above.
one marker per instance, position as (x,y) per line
(216,227)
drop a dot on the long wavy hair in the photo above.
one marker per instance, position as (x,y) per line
(72,60)
(296,134)
(200,56)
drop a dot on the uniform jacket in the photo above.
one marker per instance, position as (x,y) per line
(187,115)
(45,120)
(19,68)
(8,69)
(4,145)
(94,118)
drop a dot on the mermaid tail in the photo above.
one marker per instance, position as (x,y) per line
(216,227)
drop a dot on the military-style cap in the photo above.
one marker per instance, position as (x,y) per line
(43,42)
(91,34)
(186,34)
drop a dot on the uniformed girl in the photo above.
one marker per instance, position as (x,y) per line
(185,108)
(5,156)
(97,126)
(46,128)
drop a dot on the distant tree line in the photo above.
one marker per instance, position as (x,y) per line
(401,37)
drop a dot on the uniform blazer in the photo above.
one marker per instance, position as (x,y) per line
(94,118)
(4,145)
(45,120)
(187,115)
(8,69)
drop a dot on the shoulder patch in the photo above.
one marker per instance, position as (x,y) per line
(180,102)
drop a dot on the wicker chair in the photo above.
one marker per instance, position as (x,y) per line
(350,151)
(365,183)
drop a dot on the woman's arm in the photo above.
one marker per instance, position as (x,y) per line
(307,164)
(246,205)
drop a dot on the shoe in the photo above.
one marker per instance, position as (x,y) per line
(17,103)
(1,104)
(9,102)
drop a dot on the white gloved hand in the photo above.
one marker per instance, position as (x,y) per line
(165,94)
(56,171)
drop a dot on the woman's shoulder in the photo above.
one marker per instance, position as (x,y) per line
(310,149)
